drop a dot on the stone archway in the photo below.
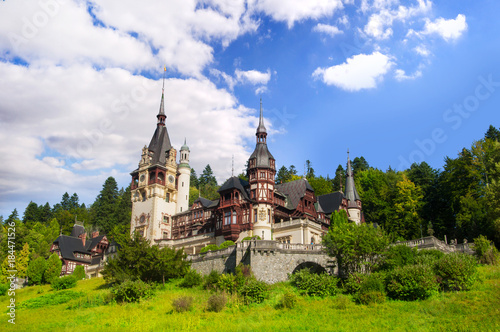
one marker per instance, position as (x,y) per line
(312,266)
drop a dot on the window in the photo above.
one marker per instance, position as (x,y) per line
(167,198)
(227,218)
(234,217)
(262,175)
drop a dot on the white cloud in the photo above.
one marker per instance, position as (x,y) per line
(362,71)
(422,50)
(72,141)
(253,76)
(449,30)
(327,29)
(292,11)
(400,75)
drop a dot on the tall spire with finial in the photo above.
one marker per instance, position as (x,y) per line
(161,114)
(261,129)
(350,189)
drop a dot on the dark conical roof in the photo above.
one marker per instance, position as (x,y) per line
(350,189)
(160,142)
(262,154)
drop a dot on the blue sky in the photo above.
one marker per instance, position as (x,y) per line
(392,81)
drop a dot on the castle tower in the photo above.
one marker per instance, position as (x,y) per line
(183,181)
(261,172)
(353,200)
(154,188)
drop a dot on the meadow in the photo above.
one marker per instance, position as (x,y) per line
(39,308)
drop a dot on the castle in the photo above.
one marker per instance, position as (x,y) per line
(287,212)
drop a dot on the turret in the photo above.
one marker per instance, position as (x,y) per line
(353,200)
(183,180)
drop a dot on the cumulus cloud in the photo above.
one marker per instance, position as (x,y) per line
(292,11)
(449,30)
(362,71)
(327,29)
(241,77)
(400,75)
(84,135)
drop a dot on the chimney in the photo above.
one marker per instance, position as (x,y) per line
(83,237)
(95,234)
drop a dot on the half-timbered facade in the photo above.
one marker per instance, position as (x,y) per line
(76,249)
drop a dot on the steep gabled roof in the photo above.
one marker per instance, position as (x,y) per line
(330,202)
(78,230)
(91,243)
(68,245)
(235,182)
(294,191)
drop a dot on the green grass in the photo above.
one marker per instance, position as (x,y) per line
(474,310)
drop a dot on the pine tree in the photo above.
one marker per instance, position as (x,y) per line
(73,202)
(104,207)
(45,213)
(36,270)
(31,214)
(194,182)
(65,202)
(283,175)
(207,178)
(13,216)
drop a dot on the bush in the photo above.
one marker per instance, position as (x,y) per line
(36,269)
(288,300)
(132,291)
(456,271)
(314,284)
(226,244)
(435,253)
(79,272)
(255,237)
(485,252)
(254,291)
(53,298)
(63,283)
(411,282)
(191,279)
(216,302)
(227,283)
(183,304)
(209,247)
(398,255)
(353,283)
(370,297)
(211,280)
(3,289)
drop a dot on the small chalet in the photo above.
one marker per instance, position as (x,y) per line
(76,249)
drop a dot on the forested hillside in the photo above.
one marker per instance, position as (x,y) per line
(461,200)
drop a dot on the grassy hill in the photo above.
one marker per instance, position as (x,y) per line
(83,308)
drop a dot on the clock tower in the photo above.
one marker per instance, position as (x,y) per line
(154,185)
(261,172)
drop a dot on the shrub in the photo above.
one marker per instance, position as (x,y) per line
(226,244)
(314,284)
(3,289)
(435,253)
(255,237)
(243,274)
(79,272)
(63,283)
(353,283)
(227,283)
(374,282)
(370,297)
(36,269)
(183,304)
(288,300)
(411,282)
(211,280)
(191,279)
(216,302)
(254,291)
(485,252)
(209,247)
(132,291)
(456,271)
(398,255)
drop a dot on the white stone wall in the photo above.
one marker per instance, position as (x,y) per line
(183,189)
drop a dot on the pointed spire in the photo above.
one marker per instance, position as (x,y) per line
(161,114)
(350,189)
(261,128)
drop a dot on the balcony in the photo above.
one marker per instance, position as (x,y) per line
(231,232)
